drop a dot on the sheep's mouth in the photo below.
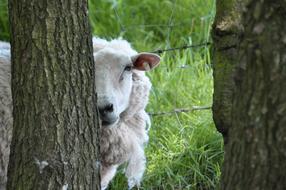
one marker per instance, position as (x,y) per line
(109,123)
(106,123)
(108,118)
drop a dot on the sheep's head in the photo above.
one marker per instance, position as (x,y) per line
(113,78)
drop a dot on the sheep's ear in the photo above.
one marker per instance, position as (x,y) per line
(145,61)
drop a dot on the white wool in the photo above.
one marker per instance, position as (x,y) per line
(6,121)
(117,44)
(125,142)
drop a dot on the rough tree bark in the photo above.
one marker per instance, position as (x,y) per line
(54,144)
(255,68)
(226,34)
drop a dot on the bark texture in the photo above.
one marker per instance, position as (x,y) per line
(226,34)
(256,150)
(54,144)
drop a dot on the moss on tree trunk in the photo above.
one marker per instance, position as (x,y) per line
(254,73)
(226,34)
(55,138)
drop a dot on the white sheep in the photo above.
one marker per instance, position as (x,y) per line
(122,90)
(6,121)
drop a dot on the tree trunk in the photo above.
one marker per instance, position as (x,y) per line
(226,34)
(55,132)
(255,153)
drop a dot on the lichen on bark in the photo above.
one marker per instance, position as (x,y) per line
(226,33)
(255,70)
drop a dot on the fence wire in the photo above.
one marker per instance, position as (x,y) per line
(159,51)
(180,110)
(169,26)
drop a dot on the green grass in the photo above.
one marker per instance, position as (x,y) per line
(185,151)
(4,28)
(145,23)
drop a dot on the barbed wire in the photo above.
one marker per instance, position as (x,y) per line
(180,110)
(180,24)
(170,25)
(159,51)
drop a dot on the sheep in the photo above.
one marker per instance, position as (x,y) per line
(122,97)
(6,121)
(122,90)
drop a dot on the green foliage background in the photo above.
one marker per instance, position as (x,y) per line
(185,150)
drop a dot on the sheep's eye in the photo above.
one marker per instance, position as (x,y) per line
(128,68)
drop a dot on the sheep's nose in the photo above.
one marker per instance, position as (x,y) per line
(107,114)
(106,109)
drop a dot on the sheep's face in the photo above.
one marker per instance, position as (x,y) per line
(113,78)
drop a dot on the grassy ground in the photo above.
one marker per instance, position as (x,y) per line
(185,151)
